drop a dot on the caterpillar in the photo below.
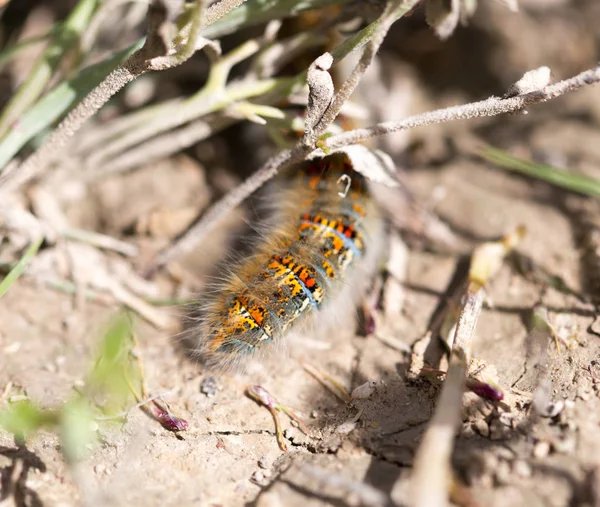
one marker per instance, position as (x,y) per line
(321,251)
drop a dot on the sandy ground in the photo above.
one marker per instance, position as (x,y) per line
(229,455)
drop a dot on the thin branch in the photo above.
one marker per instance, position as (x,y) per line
(432,473)
(490,107)
(220,9)
(100,241)
(393,12)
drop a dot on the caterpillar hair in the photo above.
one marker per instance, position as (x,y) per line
(319,254)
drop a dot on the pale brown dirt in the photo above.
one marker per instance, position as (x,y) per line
(47,343)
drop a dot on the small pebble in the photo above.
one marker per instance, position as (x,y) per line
(507,419)
(482,428)
(295,436)
(541,449)
(363,391)
(522,469)
(553,409)
(498,430)
(18,397)
(504,453)
(484,409)
(314,414)
(263,463)
(258,477)
(12,348)
(208,386)
(564,446)
(502,473)
(583,393)
(467,431)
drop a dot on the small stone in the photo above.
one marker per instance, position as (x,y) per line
(263,463)
(208,386)
(258,477)
(507,420)
(522,469)
(350,425)
(583,393)
(552,409)
(541,449)
(498,430)
(12,348)
(100,469)
(482,427)
(486,481)
(502,473)
(363,391)
(467,431)
(564,445)
(485,409)
(504,453)
(314,414)
(295,436)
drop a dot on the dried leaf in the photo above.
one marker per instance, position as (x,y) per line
(376,166)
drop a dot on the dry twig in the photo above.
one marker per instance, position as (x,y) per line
(490,107)
(432,475)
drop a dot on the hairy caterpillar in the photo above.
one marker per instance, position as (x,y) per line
(321,251)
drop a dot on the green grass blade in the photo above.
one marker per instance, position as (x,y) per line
(76,433)
(114,369)
(57,102)
(564,179)
(45,67)
(23,418)
(13,50)
(254,12)
(17,271)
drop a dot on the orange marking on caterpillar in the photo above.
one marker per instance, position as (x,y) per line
(293,272)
